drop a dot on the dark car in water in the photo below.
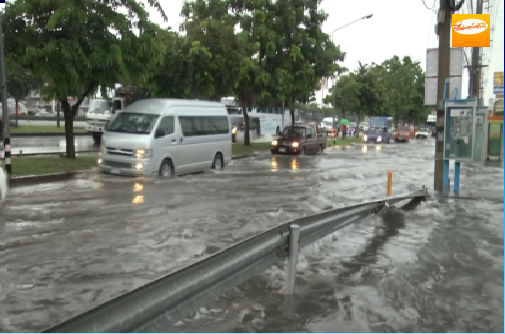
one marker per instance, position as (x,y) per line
(299,139)
(351,129)
(402,134)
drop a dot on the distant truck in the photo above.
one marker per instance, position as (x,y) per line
(102,111)
(379,130)
(299,139)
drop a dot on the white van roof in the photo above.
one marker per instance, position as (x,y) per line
(157,106)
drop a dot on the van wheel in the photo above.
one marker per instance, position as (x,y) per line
(320,148)
(166,169)
(97,137)
(304,151)
(217,164)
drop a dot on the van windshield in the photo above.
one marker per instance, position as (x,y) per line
(133,123)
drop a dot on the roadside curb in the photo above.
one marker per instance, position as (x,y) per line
(21,181)
(239,157)
(45,134)
(19,155)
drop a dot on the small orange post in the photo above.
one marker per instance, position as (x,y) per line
(390,184)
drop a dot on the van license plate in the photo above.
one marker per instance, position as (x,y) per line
(115,171)
(282,149)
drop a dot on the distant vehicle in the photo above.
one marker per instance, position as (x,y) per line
(351,129)
(379,130)
(99,115)
(364,126)
(299,139)
(44,113)
(166,137)
(423,133)
(327,122)
(402,134)
(237,123)
(432,123)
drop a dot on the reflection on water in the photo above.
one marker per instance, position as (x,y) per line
(138,199)
(137,186)
(294,164)
(364,148)
(273,163)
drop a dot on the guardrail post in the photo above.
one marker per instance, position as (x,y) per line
(293,250)
(390,184)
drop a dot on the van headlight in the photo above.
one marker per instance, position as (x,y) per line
(274,142)
(143,153)
(295,144)
(379,138)
(365,137)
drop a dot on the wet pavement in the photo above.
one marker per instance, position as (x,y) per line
(73,245)
(50,145)
(79,124)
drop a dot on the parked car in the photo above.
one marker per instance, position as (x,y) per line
(402,134)
(44,113)
(299,139)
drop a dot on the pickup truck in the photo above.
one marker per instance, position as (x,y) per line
(299,139)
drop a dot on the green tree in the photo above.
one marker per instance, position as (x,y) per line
(20,81)
(346,93)
(255,39)
(209,23)
(78,46)
(301,54)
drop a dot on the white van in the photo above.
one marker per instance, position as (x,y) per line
(166,137)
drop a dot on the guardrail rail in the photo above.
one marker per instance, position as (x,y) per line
(173,296)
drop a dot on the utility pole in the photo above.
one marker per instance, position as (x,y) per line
(5,113)
(444,57)
(475,77)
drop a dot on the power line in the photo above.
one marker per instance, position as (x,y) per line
(425,5)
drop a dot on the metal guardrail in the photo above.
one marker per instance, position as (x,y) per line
(156,304)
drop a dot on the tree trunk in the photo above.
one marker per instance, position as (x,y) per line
(292,111)
(17,110)
(344,127)
(58,109)
(247,137)
(69,129)
(357,125)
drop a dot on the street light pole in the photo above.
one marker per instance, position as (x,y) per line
(5,113)
(333,78)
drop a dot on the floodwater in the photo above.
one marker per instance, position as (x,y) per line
(73,245)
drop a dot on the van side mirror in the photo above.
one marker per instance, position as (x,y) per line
(309,136)
(159,133)
(106,126)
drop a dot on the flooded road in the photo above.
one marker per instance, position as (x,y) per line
(73,245)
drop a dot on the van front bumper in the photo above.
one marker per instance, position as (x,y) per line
(113,164)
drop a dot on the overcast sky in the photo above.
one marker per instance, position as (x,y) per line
(398,27)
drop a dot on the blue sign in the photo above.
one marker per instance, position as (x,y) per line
(498,89)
